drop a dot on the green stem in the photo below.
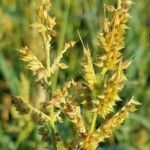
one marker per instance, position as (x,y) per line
(52,113)
(50,129)
(46,41)
(48,57)
(93,122)
(52,125)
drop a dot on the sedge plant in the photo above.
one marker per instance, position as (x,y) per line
(96,96)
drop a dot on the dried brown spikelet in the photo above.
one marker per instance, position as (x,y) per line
(89,76)
(67,104)
(72,110)
(111,90)
(63,101)
(111,40)
(39,117)
(46,135)
(20,105)
(57,64)
(57,99)
(70,107)
(24,108)
(33,64)
(44,132)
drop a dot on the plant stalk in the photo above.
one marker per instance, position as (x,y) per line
(93,122)
(48,64)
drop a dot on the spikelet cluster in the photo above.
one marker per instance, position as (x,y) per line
(113,35)
(57,62)
(105,95)
(106,130)
(64,101)
(89,76)
(45,26)
(25,108)
(37,116)
(111,90)
(33,64)
(111,40)
(73,111)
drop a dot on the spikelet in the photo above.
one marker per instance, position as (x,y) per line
(45,23)
(20,105)
(33,64)
(111,40)
(107,129)
(91,140)
(24,108)
(57,64)
(64,101)
(88,141)
(111,90)
(46,135)
(89,76)
(57,99)
(72,110)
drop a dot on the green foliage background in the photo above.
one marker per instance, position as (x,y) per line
(16,16)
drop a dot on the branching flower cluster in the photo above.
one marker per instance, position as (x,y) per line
(97,95)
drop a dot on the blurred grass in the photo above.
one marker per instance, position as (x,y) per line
(84,15)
